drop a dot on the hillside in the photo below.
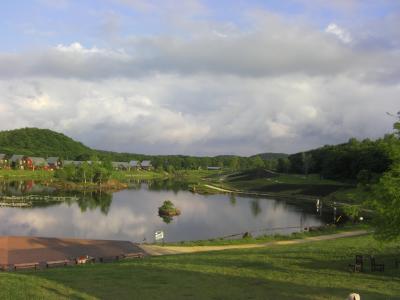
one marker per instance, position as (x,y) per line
(270,155)
(41,142)
(44,143)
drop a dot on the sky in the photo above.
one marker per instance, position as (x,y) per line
(201,77)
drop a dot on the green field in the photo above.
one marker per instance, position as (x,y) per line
(25,174)
(325,230)
(307,271)
(282,185)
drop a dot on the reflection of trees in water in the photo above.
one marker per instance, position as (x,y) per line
(86,200)
(255,207)
(167,219)
(135,184)
(24,187)
(94,200)
(168,184)
(232,199)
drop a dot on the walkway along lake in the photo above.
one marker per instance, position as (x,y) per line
(132,214)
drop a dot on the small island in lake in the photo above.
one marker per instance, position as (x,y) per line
(168,209)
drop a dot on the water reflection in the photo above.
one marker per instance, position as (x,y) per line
(166,219)
(232,199)
(132,214)
(94,200)
(85,200)
(255,207)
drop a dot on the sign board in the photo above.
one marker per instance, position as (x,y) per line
(159,235)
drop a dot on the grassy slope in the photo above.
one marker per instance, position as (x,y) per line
(270,238)
(309,271)
(286,185)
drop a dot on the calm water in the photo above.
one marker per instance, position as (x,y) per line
(132,214)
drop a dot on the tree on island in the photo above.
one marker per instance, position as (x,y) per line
(167,211)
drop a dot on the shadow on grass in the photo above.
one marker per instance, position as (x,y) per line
(143,281)
(304,189)
(244,274)
(308,271)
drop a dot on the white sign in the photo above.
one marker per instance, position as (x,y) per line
(159,235)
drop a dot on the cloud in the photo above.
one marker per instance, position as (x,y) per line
(273,86)
(273,48)
(341,33)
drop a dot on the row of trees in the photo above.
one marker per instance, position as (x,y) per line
(95,172)
(344,161)
(174,162)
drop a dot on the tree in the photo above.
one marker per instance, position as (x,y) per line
(386,203)
(257,162)
(85,172)
(307,161)
(283,165)
(396,125)
(386,195)
(101,174)
(234,163)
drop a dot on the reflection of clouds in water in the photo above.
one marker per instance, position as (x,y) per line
(133,215)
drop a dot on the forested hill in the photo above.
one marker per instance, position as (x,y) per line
(269,155)
(352,160)
(41,142)
(45,143)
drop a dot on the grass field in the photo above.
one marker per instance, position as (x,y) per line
(274,237)
(307,271)
(284,185)
(25,174)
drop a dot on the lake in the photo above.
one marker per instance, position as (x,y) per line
(132,214)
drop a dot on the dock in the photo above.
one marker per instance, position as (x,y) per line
(17,250)
(28,200)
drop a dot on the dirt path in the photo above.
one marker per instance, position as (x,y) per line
(167,250)
(218,189)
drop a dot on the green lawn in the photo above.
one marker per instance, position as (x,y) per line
(276,237)
(308,271)
(284,185)
(25,174)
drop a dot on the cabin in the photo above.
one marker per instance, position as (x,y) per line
(3,161)
(17,161)
(146,165)
(34,163)
(134,165)
(76,163)
(54,162)
(121,166)
(213,168)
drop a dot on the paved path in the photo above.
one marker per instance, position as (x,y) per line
(218,188)
(166,250)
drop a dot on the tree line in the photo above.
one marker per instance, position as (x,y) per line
(347,161)
(93,172)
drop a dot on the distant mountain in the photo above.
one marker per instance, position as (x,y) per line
(271,155)
(41,142)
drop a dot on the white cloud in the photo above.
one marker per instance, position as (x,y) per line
(339,32)
(274,87)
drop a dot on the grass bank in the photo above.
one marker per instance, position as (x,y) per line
(290,186)
(241,240)
(315,270)
(25,174)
